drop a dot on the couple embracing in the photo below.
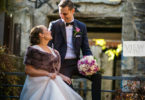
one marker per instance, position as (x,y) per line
(52,58)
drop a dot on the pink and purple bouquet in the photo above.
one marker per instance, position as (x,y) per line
(88,65)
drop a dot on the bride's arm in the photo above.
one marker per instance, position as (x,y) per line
(30,70)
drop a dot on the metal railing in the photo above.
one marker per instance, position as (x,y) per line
(78,89)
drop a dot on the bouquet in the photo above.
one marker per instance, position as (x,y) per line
(88,65)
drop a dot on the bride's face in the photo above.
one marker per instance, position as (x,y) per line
(46,34)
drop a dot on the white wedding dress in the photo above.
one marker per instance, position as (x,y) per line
(45,88)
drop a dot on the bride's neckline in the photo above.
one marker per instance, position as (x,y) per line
(41,49)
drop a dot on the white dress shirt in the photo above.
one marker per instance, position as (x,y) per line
(70,53)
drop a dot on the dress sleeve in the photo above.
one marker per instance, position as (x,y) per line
(28,57)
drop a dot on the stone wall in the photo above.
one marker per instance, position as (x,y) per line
(25,13)
(133,30)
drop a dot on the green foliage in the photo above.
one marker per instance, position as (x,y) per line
(8,64)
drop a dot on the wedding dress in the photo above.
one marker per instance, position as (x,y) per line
(45,88)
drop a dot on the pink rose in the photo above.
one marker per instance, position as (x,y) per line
(77,29)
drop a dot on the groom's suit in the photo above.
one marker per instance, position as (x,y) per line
(80,42)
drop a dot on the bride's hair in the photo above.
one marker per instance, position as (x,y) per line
(34,34)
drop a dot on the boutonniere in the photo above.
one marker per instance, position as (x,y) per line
(76,31)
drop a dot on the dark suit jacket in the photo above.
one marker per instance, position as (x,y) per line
(80,41)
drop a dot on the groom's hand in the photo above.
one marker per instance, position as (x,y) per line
(67,79)
(52,75)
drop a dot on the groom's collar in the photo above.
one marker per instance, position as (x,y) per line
(62,23)
(65,22)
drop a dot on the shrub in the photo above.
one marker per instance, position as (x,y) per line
(7,64)
(136,91)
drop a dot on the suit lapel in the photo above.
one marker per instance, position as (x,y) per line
(62,25)
(73,37)
(74,26)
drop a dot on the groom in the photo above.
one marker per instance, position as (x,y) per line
(69,37)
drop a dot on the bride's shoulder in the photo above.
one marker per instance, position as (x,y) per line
(34,49)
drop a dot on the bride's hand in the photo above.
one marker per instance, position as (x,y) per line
(66,79)
(52,75)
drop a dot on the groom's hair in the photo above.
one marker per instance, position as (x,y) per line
(66,3)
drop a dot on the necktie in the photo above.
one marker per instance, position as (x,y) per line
(71,23)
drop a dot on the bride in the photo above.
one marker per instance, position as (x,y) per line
(43,81)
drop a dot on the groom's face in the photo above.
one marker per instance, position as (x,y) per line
(66,14)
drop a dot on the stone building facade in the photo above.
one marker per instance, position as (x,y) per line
(27,14)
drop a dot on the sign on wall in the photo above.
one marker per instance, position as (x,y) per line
(134,48)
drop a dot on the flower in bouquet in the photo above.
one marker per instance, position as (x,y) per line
(88,65)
